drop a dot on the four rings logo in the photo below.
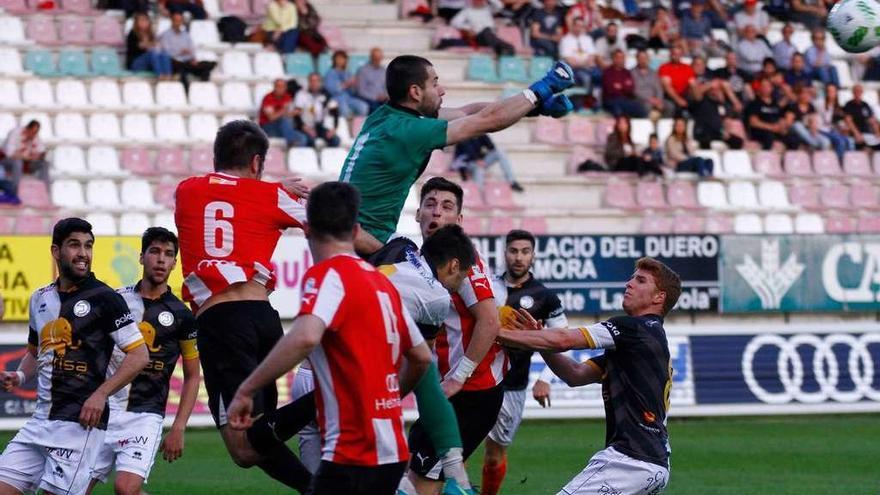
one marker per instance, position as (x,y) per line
(206,263)
(790,365)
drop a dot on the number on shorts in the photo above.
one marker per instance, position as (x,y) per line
(215,214)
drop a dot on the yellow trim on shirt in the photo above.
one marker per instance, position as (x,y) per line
(189,349)
(133,345)
(588,337)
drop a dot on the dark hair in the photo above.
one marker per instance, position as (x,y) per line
(32,124)
(447,243)
(236,144)
(332,210)
(519,235)
(338,53)
(769,60)
(158,234)
(441,184)
(67,226)
(403,72)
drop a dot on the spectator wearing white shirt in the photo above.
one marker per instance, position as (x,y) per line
(752,15)
(476,22)
(178,44)
(751,51)
(311,108)
(606,45)
(23,147)
(784,49)
(576,48)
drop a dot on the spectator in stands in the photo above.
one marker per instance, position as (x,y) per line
(680,151)
(195,8)
(653,153)
(447,9)
(282,20)
(798,73)
(663,31)
(475,156)
(810,13)
(676,77)
(606,45)
(784,49)
(546,29)
(751,51)
(577,49)
(24,151)
(701,74)
(865,125)
(647,88)
(519,11)
(588,11)
(621,154)
(618,89)
(275,115)
(143,53)
(819,60)
(476,23)
(764,120)
(752,15)
(713,113)
(737,78)
(803,129)
(782,92)
(834,123)
(696,27)
(131,7)
(339,82)
(178,44)
(311,110)
(370,77)
(310,37)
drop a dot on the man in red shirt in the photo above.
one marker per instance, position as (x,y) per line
(229,223)
(619,89)
(354,329)
(275,115)
(676,77)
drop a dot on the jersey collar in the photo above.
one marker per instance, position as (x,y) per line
(526,282)
(85,283)
(404,109)
(163,297)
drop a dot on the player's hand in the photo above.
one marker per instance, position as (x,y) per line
(92,410)
(560,77)
(451,387)
(239,412)
(557,106)
(296,186)
(523,320)
(172,445)
(541,393)
(10,380)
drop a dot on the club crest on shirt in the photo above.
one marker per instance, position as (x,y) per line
(526,302)
(166,318)
(82,308)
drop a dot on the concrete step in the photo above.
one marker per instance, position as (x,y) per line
(401,39)
(360,11)
(575,197)
(536,160)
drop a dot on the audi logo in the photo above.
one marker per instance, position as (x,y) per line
(826,368)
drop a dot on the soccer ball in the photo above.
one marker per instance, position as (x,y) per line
(855,24)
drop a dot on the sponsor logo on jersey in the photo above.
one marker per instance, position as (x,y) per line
(310,291)
(166,318)
(611,327)
(82,308)
(649,417)
(57,336)
(208,263)
(221,181)
(149,334)
(526,302)
(123,320)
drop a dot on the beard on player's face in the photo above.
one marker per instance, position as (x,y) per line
(74,266)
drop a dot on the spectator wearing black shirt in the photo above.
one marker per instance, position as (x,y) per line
(798,74)
(621,154)
(738,79)
(866,125)
(764,120)
(782,92)
(803,127)
(546,29)
(142,50)
(711,111)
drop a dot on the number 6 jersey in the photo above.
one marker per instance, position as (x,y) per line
(228,228)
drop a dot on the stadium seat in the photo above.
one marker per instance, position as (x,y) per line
(864,196)
(550,131)
(237,96)
(797,164)
(236,64)
(407,225)
(712,195)
(165,220)
(73,63)
(7,224)
(68,161)
(71,94)
(841,224)
(708,154)
(438,163)
(298,64)
(104,127)
(31,225)
(804,195)
(580,154)
(513,69)
(104,161)
(105,62)
(649,194)
(323,64)
(10,97)
(482,68)
(867,224)
(656,224)
(473,225)
(133,223)
(138,127)
(201,159)
(10,61)
(768,163)
(102,224)
(332,160)
(619,194)
(137,161)
(333,36)
(581,130)
(535,225)
(304,161)
(46,128)
(7,123)
(835,195)
(826,164)
(138,95)
(229,117)
(204,33)
(856,164)
(240,8)
(604,127)
(664,130)
(77,7)
(268,65)
(137,194)
(107,31)
(778,223)
(843,72)
(68,193)
(41,30)
(260,8)
(103,194)
(742,195)
(203,127)
(641,130)
(204,95)
(500,196)
(500,225)
(736,164)
(104,93)
(70,127)
(11,31)
(171,95)
(17,7)
(808,223)
(514,36)
(75,32)
(748,223)
(34,193)
(688,224)
(275,162)
(170,127)
(356,61)
(773,195)
(539,67)
(170,161)
(682,194)
(37,93)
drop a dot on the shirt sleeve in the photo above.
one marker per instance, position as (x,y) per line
(186,336)
(424,135)
(322,296)
(411,329)
(119,321)
(477,286)
(614,333)
(290,209)
(555,317)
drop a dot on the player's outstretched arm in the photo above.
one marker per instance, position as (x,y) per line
(172,444)
(485,330)
(558,340)
(135,360)
(418,358)
(365,244)
(457,113)
(573,373)
(26,369)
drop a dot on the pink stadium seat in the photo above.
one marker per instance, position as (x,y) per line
(649,194)
(535,225)
(439,163)
(653,224)
(603,129)
(201,160)
(682,194)
(500,225)
(106,30)
(17,7)
(835,196)
(472,197)
(856,164)
(550,131)
(78,7)
(75,32)
(34,193)
(840,224)
(7,224)
(260,7)
(169,161)
(513,35)
(164,193)
(719,224)
(275,162)
(472,225)
(579,155)
(864,196)
(767,163)
(875,161)
(582,130)
(500,196)
(444,32)
(240,8)
(333,35)
(804,195)
(620,195)
(825,163)
(797,164)
(869,224)
(137,161)
(42,31)
(30,225)
(688,224)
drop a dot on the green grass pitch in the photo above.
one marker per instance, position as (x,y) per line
(780,455)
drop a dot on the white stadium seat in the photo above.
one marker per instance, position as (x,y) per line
(203,127)
(773,195)
(37,93)
(104,161)
(11,30)
(736,164)
(68,160)
(102,223)
(170,95)
(7,123)
(332,160)
(268,65)
(137,193)
(10,97)
(808,223)
(742,195)
(102,194)
(68,193)
(104,93)
(778,223)
(748,223)
(166,220)
(104,127)
(664,129)
(70,126)
(71,94)
(170,127)
(138,127)
(133,223)
(229,117)
(204,95)
(711,195)
(204,33)
(641,130)
(236,64)
(138,94)
(46,129)
(237,96)
(10,62)
(304,161)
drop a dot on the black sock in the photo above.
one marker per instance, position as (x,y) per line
(282,424)
(284,466)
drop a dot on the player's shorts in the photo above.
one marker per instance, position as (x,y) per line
(476,411)
(509,418)
(55,456)
(309,436)
(234,337)
(131,443)
(335,479)
(610,471)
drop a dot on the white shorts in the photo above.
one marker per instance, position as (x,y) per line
(130,445)
(309,437)
(509,417)
(55,456)
(611,472)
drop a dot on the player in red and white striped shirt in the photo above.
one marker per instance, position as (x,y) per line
(354,329)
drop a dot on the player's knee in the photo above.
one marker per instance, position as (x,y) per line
(494,453)
(244,458)
(127,487)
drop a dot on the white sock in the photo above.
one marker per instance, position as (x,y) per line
(406,485)
(453,468)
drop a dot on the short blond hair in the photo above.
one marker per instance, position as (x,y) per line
(665,279)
